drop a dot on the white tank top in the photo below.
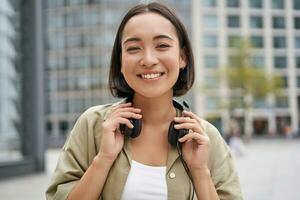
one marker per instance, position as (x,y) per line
(145,182)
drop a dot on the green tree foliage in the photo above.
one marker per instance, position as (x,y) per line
(243,75)
(246,81)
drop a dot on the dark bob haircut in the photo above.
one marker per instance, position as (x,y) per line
(117,84)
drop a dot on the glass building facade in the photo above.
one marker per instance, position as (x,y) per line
(10,83)
(21,88)
(79,40)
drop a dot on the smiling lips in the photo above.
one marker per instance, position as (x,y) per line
(151,76)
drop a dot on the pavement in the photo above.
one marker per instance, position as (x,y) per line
(268,170)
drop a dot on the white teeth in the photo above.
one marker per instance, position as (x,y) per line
(149,76)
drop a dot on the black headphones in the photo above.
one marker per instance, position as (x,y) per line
(173,134)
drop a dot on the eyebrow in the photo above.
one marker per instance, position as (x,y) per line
(136,39)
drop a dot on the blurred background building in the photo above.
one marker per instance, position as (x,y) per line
(273,27)
(79,39)
(22,136)
(80,35)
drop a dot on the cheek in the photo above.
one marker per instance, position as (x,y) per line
(127,61)
(172,61)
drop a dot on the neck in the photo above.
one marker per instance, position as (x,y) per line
(155,111)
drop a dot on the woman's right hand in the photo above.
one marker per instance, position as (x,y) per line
(112,139)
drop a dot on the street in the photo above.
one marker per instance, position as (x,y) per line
(269,170)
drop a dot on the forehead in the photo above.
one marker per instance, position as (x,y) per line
(148,24)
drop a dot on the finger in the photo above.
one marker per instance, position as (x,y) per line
(194,116)
(128,115)
(122,105)
(117,112)
(191,115)
(200,139)
(129,109)
(185,119)
(121,120)
(125,109)
(193,126)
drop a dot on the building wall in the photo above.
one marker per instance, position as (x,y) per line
(273,27)
(10,83)
(22,145)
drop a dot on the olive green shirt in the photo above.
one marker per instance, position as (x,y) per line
(82,146)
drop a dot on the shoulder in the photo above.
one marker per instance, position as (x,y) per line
(98,112)
(218,148)
(212,132)
(88,125)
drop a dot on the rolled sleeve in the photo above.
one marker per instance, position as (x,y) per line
(72,162)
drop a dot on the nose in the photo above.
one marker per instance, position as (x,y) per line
(149,58)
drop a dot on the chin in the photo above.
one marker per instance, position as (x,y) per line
(153,94)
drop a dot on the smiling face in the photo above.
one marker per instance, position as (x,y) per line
(151,56)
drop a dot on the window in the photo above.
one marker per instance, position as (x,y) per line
(279,42)
(298,61)
(255,3)
(84,82)
(278,22)
(257,41)
(52,84)
(296,4)
(63,127)
(212,102)
(52,106)
(233,21)
(62,84)
(278,4)
(297,22)
(233,60)
(233,40)
(282,102)
(260,103)
(297,42)
(211,61)
(62,106)
(210,21)
(298,81)
(256,22)
(284,82)
(209,3)
(211,81)
(237,101)
(258,61)
(210,41)
(49,127)
(73,41)
(233,3)
(280,62)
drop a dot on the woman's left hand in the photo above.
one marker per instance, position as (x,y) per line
(195,143)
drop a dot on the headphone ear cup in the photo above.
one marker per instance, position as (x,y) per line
(132,132)
(175,134)
(172,135)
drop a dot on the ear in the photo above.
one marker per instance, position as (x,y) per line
(182,59)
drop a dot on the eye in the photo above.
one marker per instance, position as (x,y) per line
(163,46)
(132,49)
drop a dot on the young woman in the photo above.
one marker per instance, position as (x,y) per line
(151,62)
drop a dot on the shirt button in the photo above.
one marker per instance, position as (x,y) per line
(172,175)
